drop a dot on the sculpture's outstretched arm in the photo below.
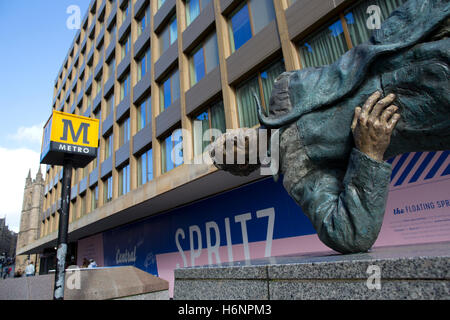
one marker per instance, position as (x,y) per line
(347,208)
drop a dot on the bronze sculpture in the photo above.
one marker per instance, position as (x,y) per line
(331,153)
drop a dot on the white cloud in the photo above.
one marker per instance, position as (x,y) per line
(31,134)
(14,167)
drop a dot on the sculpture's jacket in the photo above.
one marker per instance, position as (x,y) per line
(344,192)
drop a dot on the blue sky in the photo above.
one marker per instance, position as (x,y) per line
(34,42)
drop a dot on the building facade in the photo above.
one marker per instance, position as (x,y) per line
(33,200)
(8,240)
(158,74)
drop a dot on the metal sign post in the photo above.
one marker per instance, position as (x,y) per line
(70,141)
(58,293)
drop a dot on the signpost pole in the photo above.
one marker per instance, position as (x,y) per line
(63,231)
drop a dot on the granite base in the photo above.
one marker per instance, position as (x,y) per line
(405,272)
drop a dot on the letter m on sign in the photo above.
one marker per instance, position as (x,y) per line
(82,130)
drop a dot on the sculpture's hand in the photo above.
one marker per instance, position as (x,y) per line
(240,149)
(373,124)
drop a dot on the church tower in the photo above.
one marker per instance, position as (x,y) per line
(33,198)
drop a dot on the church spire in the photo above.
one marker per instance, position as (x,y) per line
(39,175)
(28,180)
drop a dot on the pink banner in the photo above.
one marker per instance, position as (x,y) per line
(91,248)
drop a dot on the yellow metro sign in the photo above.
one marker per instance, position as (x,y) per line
(69,136)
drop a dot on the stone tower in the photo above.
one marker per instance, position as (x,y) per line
(33,198)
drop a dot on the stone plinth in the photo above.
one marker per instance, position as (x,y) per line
(89,284)
(406,272)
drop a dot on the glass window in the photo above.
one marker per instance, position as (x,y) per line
(170,90)
(109,105)
(109,140)
(263,12)
(364,17)
(241,30)
(89,102)
(172,151)
(126,46)
(99,85)
(327,45)
(82,205)
(212,118)
(144,113)
(112,33)
(193,9)
(324,47)
(144,21)
(124,180)
(197,66)
(204,59)
(124,132)
(111,67)
(94,198)
(248,20)
(168,36)
(125,87)
(126,11)
(145,167)
(144,65)
(160,3)
(261,84)
(107,190)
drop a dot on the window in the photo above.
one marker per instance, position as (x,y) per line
(160,3)
(324,47)
(193,9)
(108,190)
(357,17)
(144,21)
(95,163)
(109,105)
(248,20)
(125,46)
(89,102)
(98,114)
(99,85)
(111,68)
(91,70)
(170,90)
(112,34)
(124,180)
(204,59)
(144,114)
(143,65)
(329,43)
(261,84)
(145,167)
(125,87)
(82,205)
(124,132)
(168,35)
(94,198)
(212,118)
(126,11)
(109,140)
(172,151)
